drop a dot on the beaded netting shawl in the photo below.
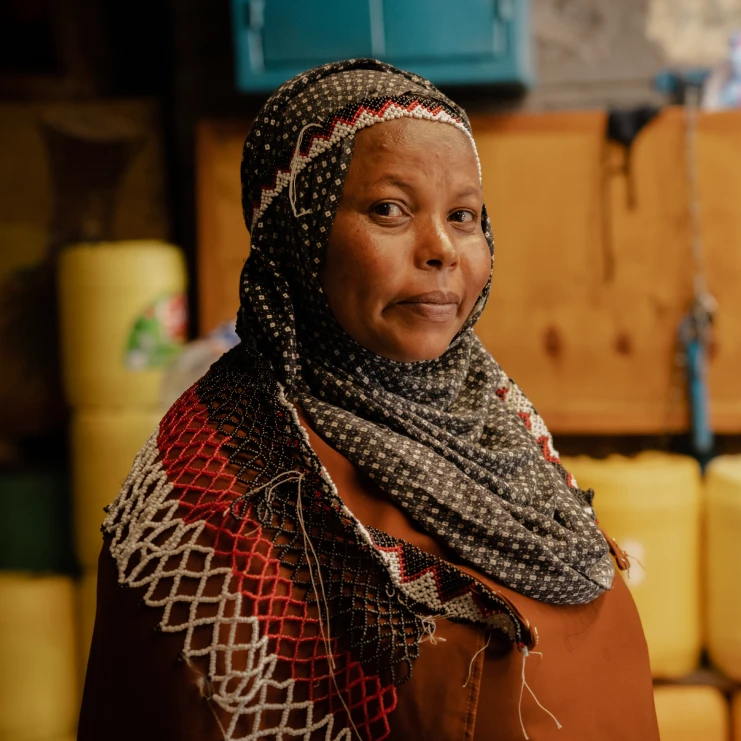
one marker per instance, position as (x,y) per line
(298,621)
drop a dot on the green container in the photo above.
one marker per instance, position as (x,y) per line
(35,522)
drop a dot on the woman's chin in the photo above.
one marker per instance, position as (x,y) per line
(417,346)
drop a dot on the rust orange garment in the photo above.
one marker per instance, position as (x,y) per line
(593,674)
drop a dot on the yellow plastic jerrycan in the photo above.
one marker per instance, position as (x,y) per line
(122,318)
(38,683)
(723,564)
(104,445)
(651,505)
(692,713)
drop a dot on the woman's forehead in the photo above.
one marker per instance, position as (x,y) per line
(410,143)
(418,139)
(388,135)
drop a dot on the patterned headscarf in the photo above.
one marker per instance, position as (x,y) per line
(452,441)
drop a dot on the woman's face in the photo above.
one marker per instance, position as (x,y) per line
(407,257)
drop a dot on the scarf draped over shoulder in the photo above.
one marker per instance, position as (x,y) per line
(452,441)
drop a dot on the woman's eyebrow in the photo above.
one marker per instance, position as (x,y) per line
(392,180)
(397,182)
(470,191)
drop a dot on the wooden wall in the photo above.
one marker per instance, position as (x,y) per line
(590,282)
(589,287)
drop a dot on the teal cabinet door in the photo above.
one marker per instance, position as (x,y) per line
(420,31)
(463,42)
(470,42)
(312,32)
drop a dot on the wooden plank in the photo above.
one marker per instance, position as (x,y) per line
(719,174)
(589,285)
(223,240)
(596,348)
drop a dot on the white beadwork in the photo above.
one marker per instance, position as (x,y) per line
(143,521)
(342,130)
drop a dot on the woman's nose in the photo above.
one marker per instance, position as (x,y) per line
(436,248)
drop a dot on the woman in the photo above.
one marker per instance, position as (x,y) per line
(355,525)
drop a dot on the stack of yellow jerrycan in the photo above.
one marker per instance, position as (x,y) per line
(651,504)
(38,681)
(38,684)
(123,319)
(723,564)
(692,713)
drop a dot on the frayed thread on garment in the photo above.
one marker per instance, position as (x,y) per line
(206,687)
(295,168)
(525,654)
(269,488)
(429,628)
(473,658)
(630,564)
(324,624)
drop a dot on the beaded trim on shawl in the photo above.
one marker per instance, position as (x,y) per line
(296,619)
(342,127)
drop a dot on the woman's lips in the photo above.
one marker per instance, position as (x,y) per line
(437,306)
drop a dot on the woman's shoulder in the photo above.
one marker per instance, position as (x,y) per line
(227,416)
(223,437)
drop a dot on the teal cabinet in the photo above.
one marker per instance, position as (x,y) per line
(469,42)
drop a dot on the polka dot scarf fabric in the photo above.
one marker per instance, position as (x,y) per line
(452,441)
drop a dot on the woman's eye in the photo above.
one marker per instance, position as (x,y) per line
(462,217)
(388,210)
